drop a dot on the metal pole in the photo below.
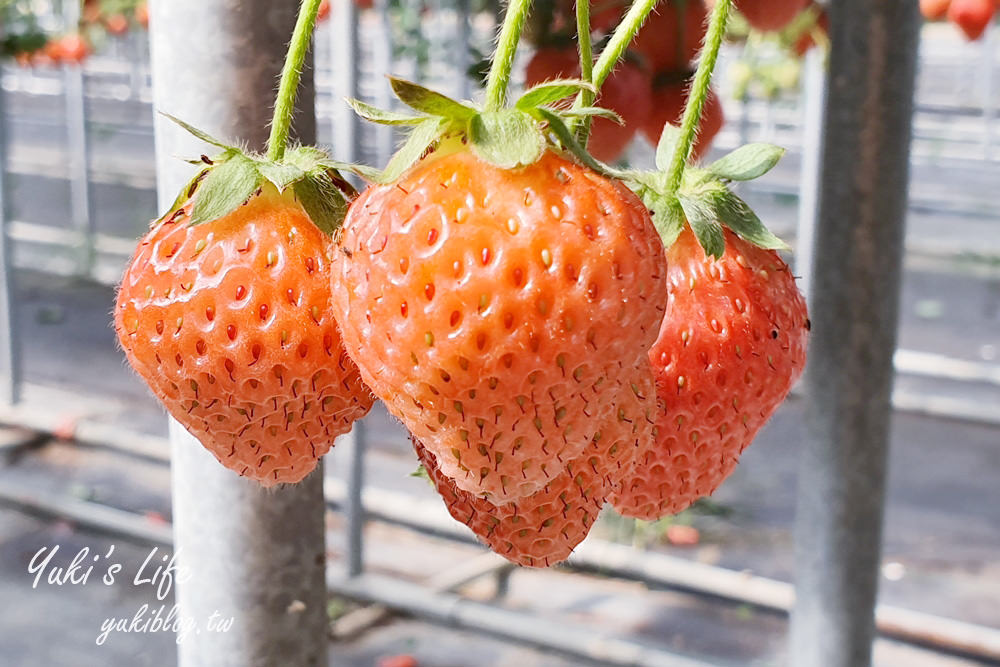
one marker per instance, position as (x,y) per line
(344,43)
(814,97)
(354,507)
(255,555)
(77,148)
(856,281)
(10,363)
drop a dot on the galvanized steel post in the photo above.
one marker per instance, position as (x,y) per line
(10,363)
(252,554)
(857,263)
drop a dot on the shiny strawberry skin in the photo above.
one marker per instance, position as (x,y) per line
(229,324)
(490,309)
(732,344)
(543,529)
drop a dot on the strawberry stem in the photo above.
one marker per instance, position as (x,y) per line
(291,73)
(503,57)
(698,94)
(585,97)
(612,53)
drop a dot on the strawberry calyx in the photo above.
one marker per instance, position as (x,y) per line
(704,200)
(508,138)
(229,179)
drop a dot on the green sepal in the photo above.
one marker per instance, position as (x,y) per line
(550,92)
(185,193)
(704,221)
(421,473)
(667,215)
(592,112)
(508,138)
(226,187)
(747,162)
(381,116)
(667,146)
(323,201)
(565,137)
(204,136)
(739,217)
(423,137)
(430,102)
(280,174)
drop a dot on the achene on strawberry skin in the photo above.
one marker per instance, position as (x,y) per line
(732,344)
(542,529)
(491,309)
(228,322)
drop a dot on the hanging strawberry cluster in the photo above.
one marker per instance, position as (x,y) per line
(556,334)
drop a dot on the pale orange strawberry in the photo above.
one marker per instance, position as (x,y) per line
(543,529)
(492,309)
(229,323)
(732,344)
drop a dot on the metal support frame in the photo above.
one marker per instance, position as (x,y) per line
(856,275)
(253,554)
(10,359)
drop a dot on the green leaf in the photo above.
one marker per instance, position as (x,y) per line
(430,102)
(421,472)
(508,138)
(569,142)
(549,92)
(225,188)
(747,162)
(705,224)
(667,146)
(281,174)
(376,115)
(323,202)
(422,137)
(739,217)
(204,136)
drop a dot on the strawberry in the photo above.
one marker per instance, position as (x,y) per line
(972,16)
(116,24)
(72,48)
(770,15)
(491,309)
(819,29)
(543,529)
(626,92)
(668,101)
(142,14)
(672,35)
(732,344)
(224,312)
(934,10)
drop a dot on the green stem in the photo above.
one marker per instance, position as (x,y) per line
(586,97)
(698,94)
(620,40)
(284,104)
(503,58)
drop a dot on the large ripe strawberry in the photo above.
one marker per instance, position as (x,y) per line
(672,35)
(491,293)
(972,16)
(770,15)
(626,92)
(668,101)
(732,344)
(543,529)
(226,317)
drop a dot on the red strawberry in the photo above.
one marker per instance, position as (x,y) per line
(543,529)
(670,40)
(669,100)
(770,15)
(116,24)
(934,10)
(732,344)
(492,308)
(807,39)
(972,16)
(626,92)
(72,48)
(228,322)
